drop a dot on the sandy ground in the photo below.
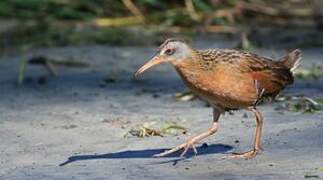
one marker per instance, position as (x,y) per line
(76,121)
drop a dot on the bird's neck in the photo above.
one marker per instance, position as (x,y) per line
(189,63)
(188,68)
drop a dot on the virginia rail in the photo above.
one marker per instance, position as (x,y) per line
(228,80)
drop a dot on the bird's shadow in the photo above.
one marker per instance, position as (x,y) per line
(148,153)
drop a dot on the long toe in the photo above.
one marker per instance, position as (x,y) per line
(186,146)
(175,149)
(247,155)
(165,153)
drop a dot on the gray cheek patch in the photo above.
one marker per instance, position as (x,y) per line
(181,51)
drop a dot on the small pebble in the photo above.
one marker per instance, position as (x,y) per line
(156,95)
(102,85)
(28,80)
(245,115)
(204,145)
(42,80)
(110,80)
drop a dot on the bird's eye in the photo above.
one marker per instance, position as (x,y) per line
(169,52)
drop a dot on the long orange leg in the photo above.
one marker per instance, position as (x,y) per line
(257,143)
(191,143)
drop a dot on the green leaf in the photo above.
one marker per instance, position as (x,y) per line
(22,68)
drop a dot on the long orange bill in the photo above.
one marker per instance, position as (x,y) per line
(154,61)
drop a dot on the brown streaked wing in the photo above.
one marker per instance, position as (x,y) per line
(271,75)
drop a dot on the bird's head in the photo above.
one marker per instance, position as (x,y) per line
(172,50)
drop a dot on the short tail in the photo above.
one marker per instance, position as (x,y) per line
(292,60)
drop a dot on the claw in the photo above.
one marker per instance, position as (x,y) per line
(190,143)
(194,149)
(184,152)
(186,146)
(247,155)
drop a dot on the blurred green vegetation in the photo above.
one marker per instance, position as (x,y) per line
(60,9)
(64,22)
(86,9)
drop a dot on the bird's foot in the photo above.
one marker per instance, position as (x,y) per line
(247,155)
(186,146)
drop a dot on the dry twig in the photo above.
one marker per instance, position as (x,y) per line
(191,10)
(134,9)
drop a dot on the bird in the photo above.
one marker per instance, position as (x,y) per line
(228,80)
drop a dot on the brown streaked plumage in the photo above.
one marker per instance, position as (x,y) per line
(227,79)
